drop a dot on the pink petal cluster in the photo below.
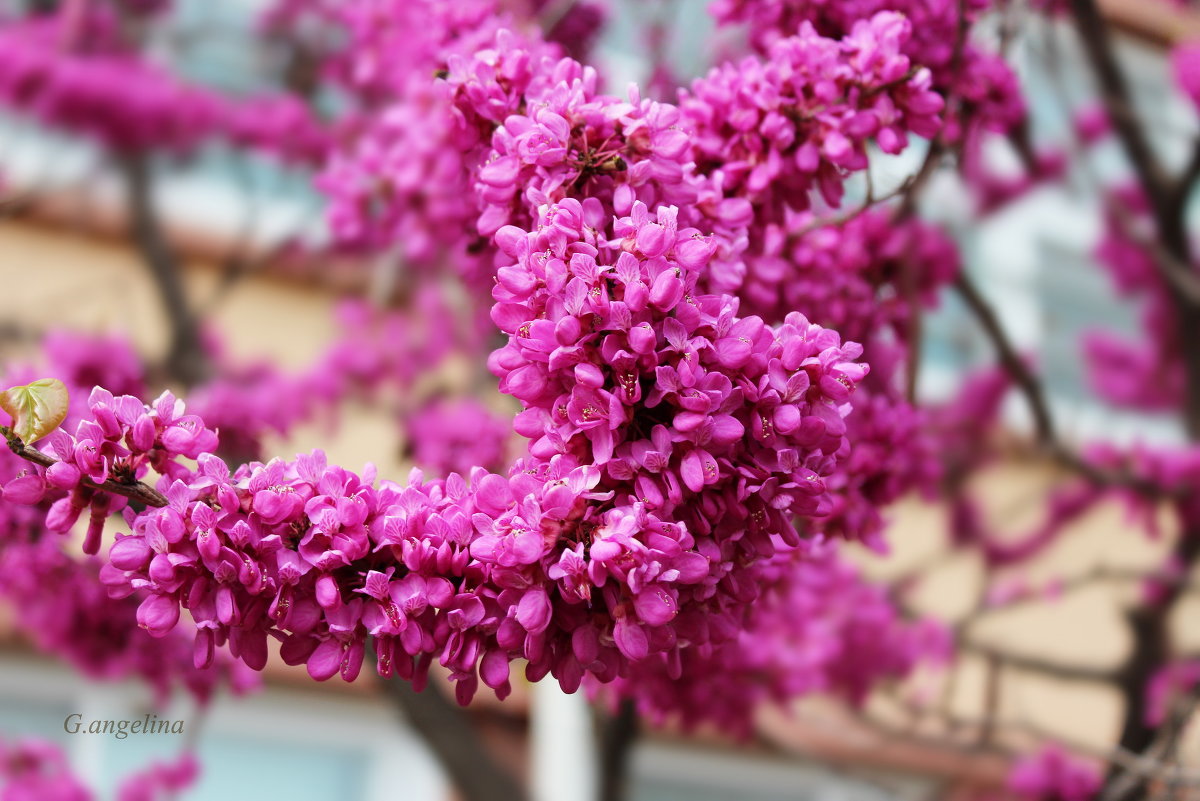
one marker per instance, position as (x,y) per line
(621,363)
(523,566)
(1185,64)
(1167,685)
(817,627)
(65,610)
(78,72)
(1145,372)
(1054,774)
(770,130)
(452,435)
(981,82)
(37,770)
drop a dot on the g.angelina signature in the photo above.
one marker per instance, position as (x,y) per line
(150,724)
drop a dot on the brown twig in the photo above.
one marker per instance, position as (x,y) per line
(1030,387)
(455,742)
(1045,667)
(187,360)
(619,733)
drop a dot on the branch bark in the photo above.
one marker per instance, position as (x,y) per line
(1167,196)
(455,743)
(620,733)
(187,360)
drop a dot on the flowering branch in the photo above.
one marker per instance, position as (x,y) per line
(135,491)
(1043,666)
(1031,388)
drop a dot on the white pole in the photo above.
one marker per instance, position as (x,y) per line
(563,745)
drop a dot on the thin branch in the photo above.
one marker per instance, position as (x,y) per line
(619,734)
(1012,362)
(868,203)
(1134,763)
(1097,43)
(1187,179)
(1076,582)
(136,491)
(1031,388)
(1035,664)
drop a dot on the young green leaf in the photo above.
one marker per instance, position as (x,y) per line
(36,409)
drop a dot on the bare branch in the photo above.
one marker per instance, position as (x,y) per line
(1097,43)
(1031,388)
(1035,664)
(455,742)
(619,734)
(186,359)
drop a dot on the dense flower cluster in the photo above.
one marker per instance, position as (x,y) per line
(404,180)
(65,609)
(675,446)
(817,627)
(985,88)
(620,363)
(78,73)
(770,130)
(477,576)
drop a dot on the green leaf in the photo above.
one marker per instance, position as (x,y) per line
(36,409)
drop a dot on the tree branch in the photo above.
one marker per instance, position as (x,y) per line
(619,734)
(187,360)
(1097,44)
(1031,388)
(1045,667)
(444,727)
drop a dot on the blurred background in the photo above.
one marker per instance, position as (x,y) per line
(250,239)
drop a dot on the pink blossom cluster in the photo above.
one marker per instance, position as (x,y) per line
(771,130)
(65,609)
(679,451)
(452,435)
(79,73)
(1054,774)
(1167,685)
(526,127)
(1185,64)
(850,275)
(403,180)
(621,363)
(37,770)
(1145,372)
(982,84)
(120,439)
(476,577)
(649,418)
(817,627)
(863,277)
